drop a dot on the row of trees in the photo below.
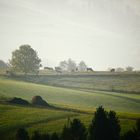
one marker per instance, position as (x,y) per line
(26,60)
(104,126)
(71,66)
(119,69)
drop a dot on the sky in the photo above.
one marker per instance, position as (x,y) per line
(103,33)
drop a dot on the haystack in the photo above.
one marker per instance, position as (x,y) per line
(37,100)
(20,101)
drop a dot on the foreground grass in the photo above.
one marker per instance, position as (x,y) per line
(13,117)
(45,120)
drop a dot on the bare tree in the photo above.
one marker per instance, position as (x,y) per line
(119,69)
(82,66)
(71,65)
(63,65)
(129,69)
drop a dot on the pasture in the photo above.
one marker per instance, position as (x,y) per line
(69,93)
(103,81)
(70,98)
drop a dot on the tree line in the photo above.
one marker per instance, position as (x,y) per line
(104,126)
(26,60)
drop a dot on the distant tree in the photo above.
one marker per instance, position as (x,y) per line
(25,60)
(71,65)
(75,131)
(104,126)
(63,65)
(22,134)
(112,70)
(82,66)
(129,69)
(58,69)
(119,69)
(3,65)
(68,65)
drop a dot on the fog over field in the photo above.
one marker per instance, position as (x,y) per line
(103,33)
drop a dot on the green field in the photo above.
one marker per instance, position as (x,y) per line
(117,82)
(65,97)
(69,98)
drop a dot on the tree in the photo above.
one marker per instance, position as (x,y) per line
(3,65)
(36,136)
(25,60)
(74,131)
(113,126)
(63,65)
(54,136)
(133,134)
(119,69)
(129,69)
(78,130)
(22,134)
(71,65)
(97,129)
(130,135)
(82,66)
(68,65)
(137,129)
(105,126)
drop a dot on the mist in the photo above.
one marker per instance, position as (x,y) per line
(103,33)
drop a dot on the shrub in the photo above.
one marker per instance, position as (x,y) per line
(105,126)
(20,101)
(22,134)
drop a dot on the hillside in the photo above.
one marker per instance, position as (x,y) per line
(64,97)
(68,102)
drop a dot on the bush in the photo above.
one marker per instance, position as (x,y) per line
(133,134)
(105,126)
(55,136)
(22,134)
(75,130)
(20,101)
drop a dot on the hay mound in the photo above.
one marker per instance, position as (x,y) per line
(37,100)
(20,101)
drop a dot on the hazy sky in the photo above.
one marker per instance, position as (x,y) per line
(103,33)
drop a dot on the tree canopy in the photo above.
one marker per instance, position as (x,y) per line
(105,126)
(25,59)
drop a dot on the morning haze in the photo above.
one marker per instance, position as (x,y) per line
(103,33)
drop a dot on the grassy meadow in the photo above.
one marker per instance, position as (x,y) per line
(76,97)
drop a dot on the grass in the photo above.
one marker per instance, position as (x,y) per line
(117,82)
(70,98)
(13,117)
(47,120)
